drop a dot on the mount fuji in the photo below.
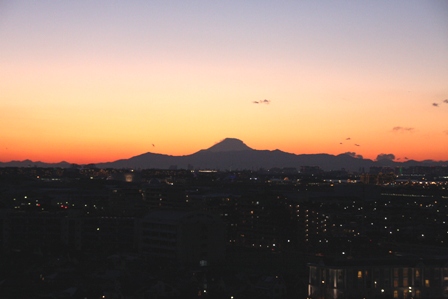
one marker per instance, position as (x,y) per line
(233,154)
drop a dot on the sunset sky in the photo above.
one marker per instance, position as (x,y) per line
(96,81)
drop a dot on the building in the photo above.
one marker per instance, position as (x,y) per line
(396,277)
(185,237)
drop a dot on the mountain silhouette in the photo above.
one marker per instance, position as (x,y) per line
(29,163)
(229,144)
(233,154)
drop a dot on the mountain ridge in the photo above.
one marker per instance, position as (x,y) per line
(232,153)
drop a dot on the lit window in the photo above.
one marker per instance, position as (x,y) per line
(405,281)
(359,274)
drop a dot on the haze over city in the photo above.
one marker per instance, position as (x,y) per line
(96,81)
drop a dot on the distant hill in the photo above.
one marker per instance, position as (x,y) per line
(232,154)
(29,163)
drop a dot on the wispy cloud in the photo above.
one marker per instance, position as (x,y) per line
(446,132)
(262,102)
(347,139)
(438,104)
(403,129)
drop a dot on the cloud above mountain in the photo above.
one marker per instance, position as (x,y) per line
(389,157)
(353,154)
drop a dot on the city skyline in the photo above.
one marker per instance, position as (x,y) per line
(89,82)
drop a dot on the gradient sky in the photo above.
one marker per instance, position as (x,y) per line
(95,81)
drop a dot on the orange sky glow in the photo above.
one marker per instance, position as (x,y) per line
(87,82)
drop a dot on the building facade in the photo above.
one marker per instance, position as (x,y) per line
(190,238)
(379,278)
